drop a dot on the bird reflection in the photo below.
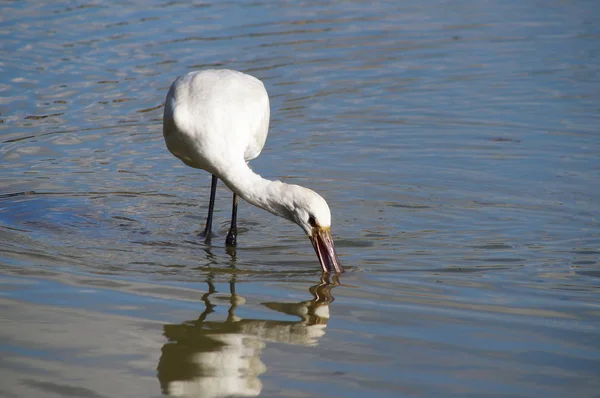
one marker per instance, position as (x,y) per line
(209,359)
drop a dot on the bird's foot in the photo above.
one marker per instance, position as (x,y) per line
(232,253)
(231,239)
(206,235)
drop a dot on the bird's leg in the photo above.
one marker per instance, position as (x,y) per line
(232,235)
(211,207)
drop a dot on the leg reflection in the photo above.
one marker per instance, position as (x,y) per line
(218,358)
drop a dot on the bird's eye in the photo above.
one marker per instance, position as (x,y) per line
(312,221)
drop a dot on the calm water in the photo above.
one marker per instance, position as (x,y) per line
(457,143)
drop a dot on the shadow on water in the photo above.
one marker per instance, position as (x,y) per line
(205,358)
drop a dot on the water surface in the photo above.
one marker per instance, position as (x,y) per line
(456,143)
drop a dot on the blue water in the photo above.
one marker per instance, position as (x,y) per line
(456,143)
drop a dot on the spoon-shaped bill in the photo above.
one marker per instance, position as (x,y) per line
(323,244)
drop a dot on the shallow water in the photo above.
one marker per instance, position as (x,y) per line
(457,145)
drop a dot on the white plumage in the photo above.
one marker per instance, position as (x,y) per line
(218,120)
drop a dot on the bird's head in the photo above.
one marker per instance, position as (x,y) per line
(311,212)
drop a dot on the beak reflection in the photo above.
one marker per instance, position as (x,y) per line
(323,244)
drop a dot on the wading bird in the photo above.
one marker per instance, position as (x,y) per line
(218,120)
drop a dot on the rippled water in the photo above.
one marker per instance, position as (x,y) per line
(457,145)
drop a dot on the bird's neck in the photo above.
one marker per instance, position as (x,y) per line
(271,196)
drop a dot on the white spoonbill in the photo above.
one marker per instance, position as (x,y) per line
(218,120)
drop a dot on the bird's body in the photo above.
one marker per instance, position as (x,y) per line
(218,120)
(202,130)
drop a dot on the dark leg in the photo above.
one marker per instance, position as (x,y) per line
(232,235)
(211,207)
